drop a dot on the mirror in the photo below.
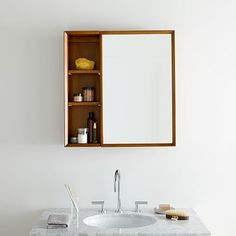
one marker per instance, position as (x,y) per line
(138,89)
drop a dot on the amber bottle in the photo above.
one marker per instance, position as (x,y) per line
(90,123)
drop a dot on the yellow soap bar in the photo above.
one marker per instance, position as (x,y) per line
(84,64)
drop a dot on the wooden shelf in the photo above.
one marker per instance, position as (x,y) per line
(83,145)
(84,39)
(83,104)
(75,72)
(82,45)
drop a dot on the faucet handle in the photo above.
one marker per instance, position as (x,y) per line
(139,203)
(99,203)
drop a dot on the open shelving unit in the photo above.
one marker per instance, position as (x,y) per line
(77,45)
(94,45)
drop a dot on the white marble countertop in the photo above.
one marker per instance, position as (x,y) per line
(163,226)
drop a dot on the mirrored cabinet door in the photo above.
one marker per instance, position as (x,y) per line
(138,89)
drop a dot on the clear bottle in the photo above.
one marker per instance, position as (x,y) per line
(88,94)
(95,132)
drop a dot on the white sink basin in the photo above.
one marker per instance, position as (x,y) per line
(116,220)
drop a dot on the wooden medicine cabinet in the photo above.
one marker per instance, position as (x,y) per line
(134,87)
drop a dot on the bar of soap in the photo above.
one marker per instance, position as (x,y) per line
(84,64)
(164,207)
(177,215)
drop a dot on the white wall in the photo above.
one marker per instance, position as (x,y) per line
(34,165)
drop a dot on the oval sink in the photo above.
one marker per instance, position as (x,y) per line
(123,220)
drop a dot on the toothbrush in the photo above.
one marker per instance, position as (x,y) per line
(74,202)
(73,195)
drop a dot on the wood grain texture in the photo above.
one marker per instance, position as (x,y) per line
(83,104)
(83,33)
(139,145)
(101,92)
(65,89)
(77,82)
(74,72)
(83,50)
(83,145)
(173,89)
(81,44)
(89,44)
(138,32)
(78,116)
(84,39)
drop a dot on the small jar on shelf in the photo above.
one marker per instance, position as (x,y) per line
(88,94)
(73,139)
(77,97)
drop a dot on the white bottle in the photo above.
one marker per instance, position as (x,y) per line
(80,98)
(83,135)
(75,98)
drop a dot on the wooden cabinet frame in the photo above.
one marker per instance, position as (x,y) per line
(89,43)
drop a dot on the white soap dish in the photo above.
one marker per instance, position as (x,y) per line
(161,212)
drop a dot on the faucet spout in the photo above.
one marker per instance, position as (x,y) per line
(117,189)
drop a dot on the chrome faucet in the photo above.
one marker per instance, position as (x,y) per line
(117,179)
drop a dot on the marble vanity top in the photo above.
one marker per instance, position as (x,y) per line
(162,227)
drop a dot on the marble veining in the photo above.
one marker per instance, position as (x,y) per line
(163,227)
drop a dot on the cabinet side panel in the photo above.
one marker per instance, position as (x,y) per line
(173,89)
(66,88)
(101,92)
